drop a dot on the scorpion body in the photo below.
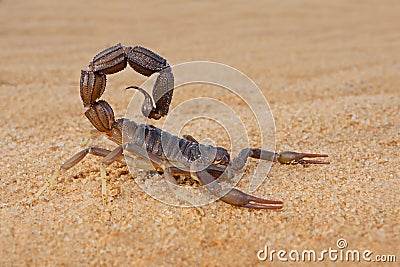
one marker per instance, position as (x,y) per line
(170,147)
(167,153)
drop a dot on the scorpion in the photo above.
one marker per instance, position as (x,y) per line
(161,149)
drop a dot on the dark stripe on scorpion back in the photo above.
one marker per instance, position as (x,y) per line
(161,143)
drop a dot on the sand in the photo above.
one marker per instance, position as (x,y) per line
(330,72)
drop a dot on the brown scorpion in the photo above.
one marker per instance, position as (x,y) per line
(154,145)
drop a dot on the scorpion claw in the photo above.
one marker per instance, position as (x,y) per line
(148,109)
(289,157)
(241,199)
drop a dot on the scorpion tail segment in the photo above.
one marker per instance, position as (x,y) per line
(101,115)
(92,86)
(50,182)
(238,198)
(145,61)
(289,157)
(109,61)
(163,91)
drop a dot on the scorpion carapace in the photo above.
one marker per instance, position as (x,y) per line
(167,153)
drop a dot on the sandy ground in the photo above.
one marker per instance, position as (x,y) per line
(330,72)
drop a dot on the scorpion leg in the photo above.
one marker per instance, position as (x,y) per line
(173,186)
(206,177)
(78,157)
(168,171)
(215,171)
(116,154)
(231,195)
(107,160)
(190,138)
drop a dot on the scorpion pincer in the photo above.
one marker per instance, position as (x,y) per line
(151,144)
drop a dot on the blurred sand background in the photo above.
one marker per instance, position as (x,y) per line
(329,69)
